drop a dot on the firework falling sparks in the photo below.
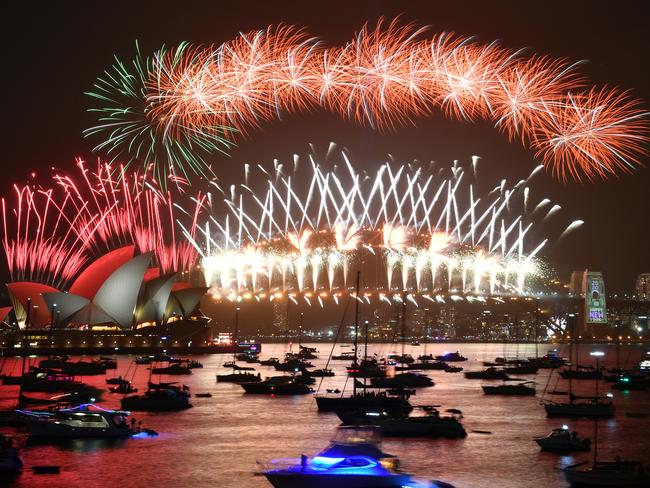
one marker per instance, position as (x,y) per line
(173,106)
(52,230)
(408,227)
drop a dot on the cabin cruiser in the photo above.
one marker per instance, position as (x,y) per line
(524,388)
(487,374)
(562,440)
(239,377)
(354,459)
(174,369)
(53,362)
(86,420)
(618,473)
(305,352)
(236,367)
(293,363)
(278,385)
(451,357)
(581,373)
(429,424)
(429,364)
(367,368)
(10,462)
(400,358)
(83,368)
(319,373)
(161,397)
(425,357)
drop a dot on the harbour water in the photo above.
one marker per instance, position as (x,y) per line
(219,442)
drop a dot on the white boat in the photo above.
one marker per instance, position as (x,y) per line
(562,440)
(87,420)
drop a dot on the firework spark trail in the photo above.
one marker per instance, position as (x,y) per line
(425,240)
(51,233)
(184,102)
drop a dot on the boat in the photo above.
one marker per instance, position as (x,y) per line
(487,374)
(581,406)
(278,385)
(269,362)
(173,369)
(428,424)
(425,357)
(49,382)
(354,459)
(415,343)
(627,382)
(581,373)
(524,388)
(366,368)
(10,462)
(143,360)
(427,364)
(363,401)
(344,356)
(203,395)
(162,397)
(562,440)
(453,369)
(109,363)
(124,387)
(53,362)
(618,473)
(239,377)
(83,368)
(551,360)
(404,380)
(87,420)
(292,363)
(319,373)
(236,367)
(305,352)
(521,368)
(451,357)
(400,358)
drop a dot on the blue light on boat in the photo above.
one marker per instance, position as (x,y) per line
(325,461)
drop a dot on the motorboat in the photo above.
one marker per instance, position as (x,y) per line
(49,382)
(143,359)
(618,473)
(354,459)
(10,462)
(239,377)
(319,373)
(125,387)
(87,420)
(628,382)
(161,397)
(367,368)
(425,357)
(428,424)
(173,369)
(366,400)
(549,361)
(487,374)
(278,385)
(305,352)
(269,362)
(236,367)
(523,388)
(451,357)
(521,368)
(344,356)
(563,440)
(453,369)
(428,364)
(415,343)
(400,358)
(292,364)
(109,363)
(83,368)
(53,362)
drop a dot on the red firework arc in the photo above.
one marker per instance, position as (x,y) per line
(51,232)
(389,75)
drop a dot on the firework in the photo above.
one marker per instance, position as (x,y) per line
(405,227)
(53,230)
(181,103)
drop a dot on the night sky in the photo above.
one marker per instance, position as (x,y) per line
(53,51)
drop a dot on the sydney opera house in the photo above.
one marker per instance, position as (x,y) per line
(119,302)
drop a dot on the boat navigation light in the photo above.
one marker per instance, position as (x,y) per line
(597,353)
(609,395)
(565,427)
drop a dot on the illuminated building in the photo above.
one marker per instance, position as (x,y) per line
(642,286)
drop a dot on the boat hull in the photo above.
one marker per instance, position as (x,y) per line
(333,404)
(309,480)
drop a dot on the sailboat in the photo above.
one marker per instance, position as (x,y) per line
(581,406)
(362,400)
(617,473)
(238,375)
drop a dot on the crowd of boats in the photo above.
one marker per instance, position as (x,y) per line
(378,402)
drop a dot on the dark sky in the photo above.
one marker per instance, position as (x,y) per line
(52,52)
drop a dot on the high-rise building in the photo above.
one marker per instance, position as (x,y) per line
(575,285)
(642,287)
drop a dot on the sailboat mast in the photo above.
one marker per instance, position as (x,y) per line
(356,334)
(234,338)
(403,325)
